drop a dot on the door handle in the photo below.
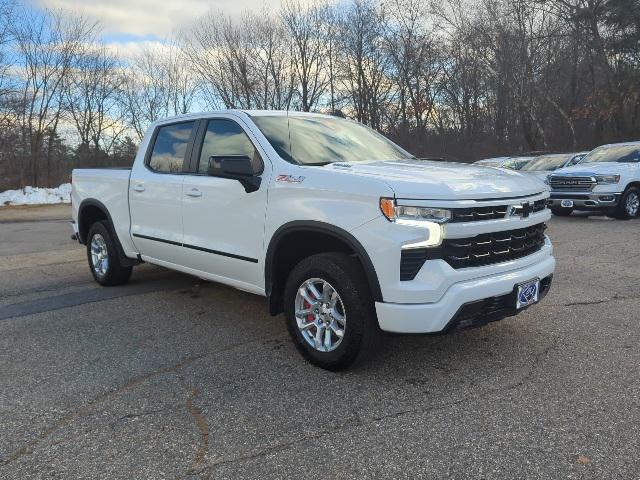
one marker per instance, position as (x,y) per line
(194,192)
(139,187)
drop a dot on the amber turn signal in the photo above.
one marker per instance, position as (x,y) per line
(388,207)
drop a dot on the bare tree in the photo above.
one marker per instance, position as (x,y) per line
(241,63)
(363,63)
(304,23)
(157,84)
(271,62)
(48,43)
(416,63)
(91,96)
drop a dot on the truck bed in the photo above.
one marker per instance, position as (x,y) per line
(110,187)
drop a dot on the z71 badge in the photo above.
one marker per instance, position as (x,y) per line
(290,178)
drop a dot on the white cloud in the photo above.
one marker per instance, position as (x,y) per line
(128,50)
(143,18)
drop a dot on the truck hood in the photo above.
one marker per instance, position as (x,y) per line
(597,168)
(429,180)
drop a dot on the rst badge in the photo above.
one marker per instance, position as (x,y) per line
(290,178)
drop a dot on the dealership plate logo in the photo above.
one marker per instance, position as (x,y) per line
(528,293)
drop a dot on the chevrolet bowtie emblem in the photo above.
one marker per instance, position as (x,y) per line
(523,210)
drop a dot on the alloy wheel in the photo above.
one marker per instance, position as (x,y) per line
(320,314)
(632,205)
(99,255)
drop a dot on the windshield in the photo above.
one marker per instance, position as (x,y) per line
(614,153)
(517,163)
(308,140)
(546,162)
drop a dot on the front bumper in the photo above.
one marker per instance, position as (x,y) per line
(587,200)
(450,309)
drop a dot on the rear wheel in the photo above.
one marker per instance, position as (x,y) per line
(330,312)
(562,211)
(629,206)
(102,253)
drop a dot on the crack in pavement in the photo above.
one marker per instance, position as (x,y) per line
(93,403)
(203,428)
(360,422)
(615,298)
(353,421)
(111,424)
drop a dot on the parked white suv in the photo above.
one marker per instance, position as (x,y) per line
(606,180)
(338,227)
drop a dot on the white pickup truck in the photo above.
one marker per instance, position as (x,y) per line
(342,230)
(606,180)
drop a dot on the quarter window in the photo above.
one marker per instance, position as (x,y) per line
(227,138)
(170,147)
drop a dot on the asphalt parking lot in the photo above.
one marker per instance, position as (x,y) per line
(172,377)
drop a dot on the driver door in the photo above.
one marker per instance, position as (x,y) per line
(223,225)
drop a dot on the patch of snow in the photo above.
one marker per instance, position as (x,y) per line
(36,196)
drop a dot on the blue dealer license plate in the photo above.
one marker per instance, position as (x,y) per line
(527,293)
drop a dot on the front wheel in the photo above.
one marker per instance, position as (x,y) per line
(629,206)
(102,253)
(330,312)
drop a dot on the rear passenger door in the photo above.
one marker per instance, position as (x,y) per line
(223,224)
(155,193)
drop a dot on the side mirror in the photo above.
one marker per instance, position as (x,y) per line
(237,167)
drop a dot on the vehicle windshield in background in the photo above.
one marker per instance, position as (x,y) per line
(517,163)
(614,153)
(546,162)
(319,140)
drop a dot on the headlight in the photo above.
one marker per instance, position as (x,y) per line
(607,178)
(400,213)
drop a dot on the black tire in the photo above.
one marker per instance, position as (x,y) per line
(361,330)
(562,211)
(114,273)
(623,211)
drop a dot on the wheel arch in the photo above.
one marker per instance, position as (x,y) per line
(91,211)
(337,239)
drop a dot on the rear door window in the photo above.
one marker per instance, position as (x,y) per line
(170,147)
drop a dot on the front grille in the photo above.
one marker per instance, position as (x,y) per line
(489,248)
(563,183)
(475,214)
(484,249)
(539,205)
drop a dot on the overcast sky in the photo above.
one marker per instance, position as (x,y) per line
(130,22)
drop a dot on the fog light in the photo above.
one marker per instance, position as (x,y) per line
(606,198)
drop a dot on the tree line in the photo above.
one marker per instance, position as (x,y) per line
(461,79)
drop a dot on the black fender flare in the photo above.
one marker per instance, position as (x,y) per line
(92,202)
(326,228)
